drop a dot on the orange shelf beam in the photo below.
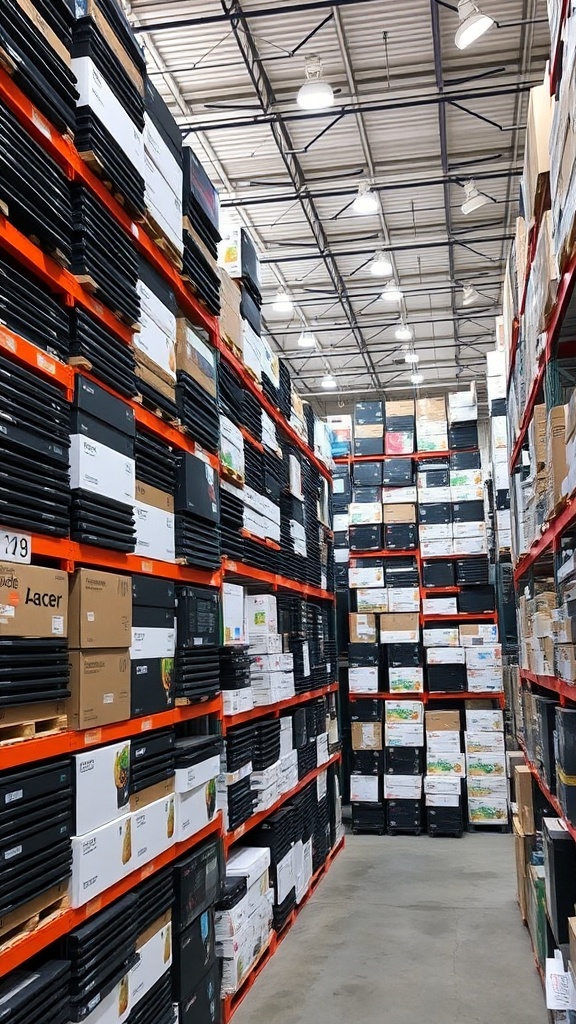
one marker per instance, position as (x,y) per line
(410,553)
(232,568)
(553,683)
(553,530)
(36,359)
(545,790)
(468,695)
(230,721)
(251,440)
(232,837)
(343,460)
(427,697)
(461,617)
(24,752)
(44,935)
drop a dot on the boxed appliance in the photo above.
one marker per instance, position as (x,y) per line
(35,601)
(399,627)
(197,771)
(233,614)
(153,830)
(154,516)
(99,688)
(153,645)
(102,785)
(261,615)
(99,609)
(366,736)
(154,948)
(100,859)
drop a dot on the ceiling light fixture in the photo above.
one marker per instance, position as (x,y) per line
(416,378)
(473,24)
(366,201)
(412,357)
(474,199)
(282,303)
(329,383)
(392,293)
(307,340)
(469,295)
(315,94)
(381,265)
(404,333)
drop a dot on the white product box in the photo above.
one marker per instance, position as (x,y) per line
(446,763)
(484,720)
(152,642)
(399,495)
(466,478)
(445,656)
(404,712)
(485,680)
(440,606)
(402,787)
(197,807)
(442,800)
(341,555)
(237,701)
(400,735)
(197,774)
(485,742)
(436,548)
(364,788)
(284,877)
(484,657)
(365,513)
(100,859)
(372,577)
(96,468)
(261,615)
(155,959)
(96,93)
(487,787)
(490,766)
(475,530)
(322,752)
(252,350)
(233,614)
(435,531)
(162,156)
(487,812)
(363,679)
(251,863)
(440,740)
(230,253)
(403,599)
(406,680)
(227,923)
(376,599)
(442,784)
(440,636)
(102,784)
(266,643)
(115,1007)
(341,522)
(429,441)
(153,830)
(428,495)
(479,634)
(152,340)
(154,532)
(469,546)
(164,205)
(265,663)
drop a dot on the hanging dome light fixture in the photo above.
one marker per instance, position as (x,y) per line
(315,93)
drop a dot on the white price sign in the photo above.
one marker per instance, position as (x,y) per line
(15,547)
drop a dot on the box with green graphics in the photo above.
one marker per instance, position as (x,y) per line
(404,712)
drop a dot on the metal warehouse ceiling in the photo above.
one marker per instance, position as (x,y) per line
(413,116)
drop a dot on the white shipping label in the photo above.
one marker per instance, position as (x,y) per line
(15,547)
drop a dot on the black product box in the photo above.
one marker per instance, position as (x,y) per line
(503,500)
(198,617)
(194,954)
(198,880)
(404,760)
(365,538)
(368,817)
(566,793)
(363,655)
(438,574)
(472,570)
(566,739)
(342,483)
(435,514)
(397,472)
(465,460)
(199,188)
(468,511)
(368,413)
(366,710)
(162,119)
(203,1005)
(96,430)
(445,820)
(367,474)
(197,489)
(476,600)
(369,445)
(361,495)
(446,678)
(367,762)
(101,405)
(153,593)
(403,655)
(341,539)
(158,285)
(404,814)
(433,464)
(463,435)
(545,757)
(430,478)
(560,864)
(400,536)
(152,674)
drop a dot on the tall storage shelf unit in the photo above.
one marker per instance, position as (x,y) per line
(417,605)
(123,564)
(536,344)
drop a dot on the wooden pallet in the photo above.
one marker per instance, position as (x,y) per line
(234,348)
(32,728)
(164,244)
(26,919)
(162,414)
(97,167)
(232,475)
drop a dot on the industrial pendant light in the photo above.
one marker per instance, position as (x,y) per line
(365,202)
(474,199)
(412,357)
(315,94)
(307,340)
(416,378)
(392,293)
(282,303)
(329,383)
(473,24)
(381,265)
(469,295)
(404,333)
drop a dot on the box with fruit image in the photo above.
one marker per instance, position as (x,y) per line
(488,811)
(102,780)
(446,763)
(154,948)
(197,771)
(404,712)
(487,765)
(100,858)
(115,1007)
(153,830)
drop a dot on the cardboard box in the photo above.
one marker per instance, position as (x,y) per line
(478,634)
(445,656)
(100,859)
(446,636)
(364,788)
(154,948)
(491,766)
(484,742)
(154,515)
(153,829)
(363,680)
(402,787)
(446,763)
(440,606)
(442,720)
(404,734)
(102,785)
(261,614)
(399,514)
(233,618)
(364,513)
(556,464)
(195,357)
(439,741)
(366,736)
(404,712)
(34,601)
(484,720)
(524,799)
(406,680)
(399,627)
(403,599)
(362,629)
(100,688)
(366,578)
(429,409)
(372,600)
(100,609)
(484,657)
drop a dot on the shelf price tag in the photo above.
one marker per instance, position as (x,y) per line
(15,547)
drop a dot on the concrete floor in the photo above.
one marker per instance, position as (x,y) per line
(409,930)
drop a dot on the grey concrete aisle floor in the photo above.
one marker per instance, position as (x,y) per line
(409,930)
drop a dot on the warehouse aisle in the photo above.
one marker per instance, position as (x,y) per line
(407,930)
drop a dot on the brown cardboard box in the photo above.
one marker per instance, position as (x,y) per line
(404,407)
(442,721)
(149,495)
(153,375)
(230,320)
(538,427)
(400,627)
(557,467)
(566,662)
(366,735)
(537,156)
(362,430)
(431,409)
(100,685)
(399,514)
(522,855)
(100,609)
(33,601)
(149,796)
(572,940)
(195,357)
(362,629)
(524,801)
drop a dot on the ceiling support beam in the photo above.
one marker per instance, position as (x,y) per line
(260,12)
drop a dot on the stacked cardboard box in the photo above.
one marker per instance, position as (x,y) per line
(163,168)
(244,919)
(486,768)
(445,771)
